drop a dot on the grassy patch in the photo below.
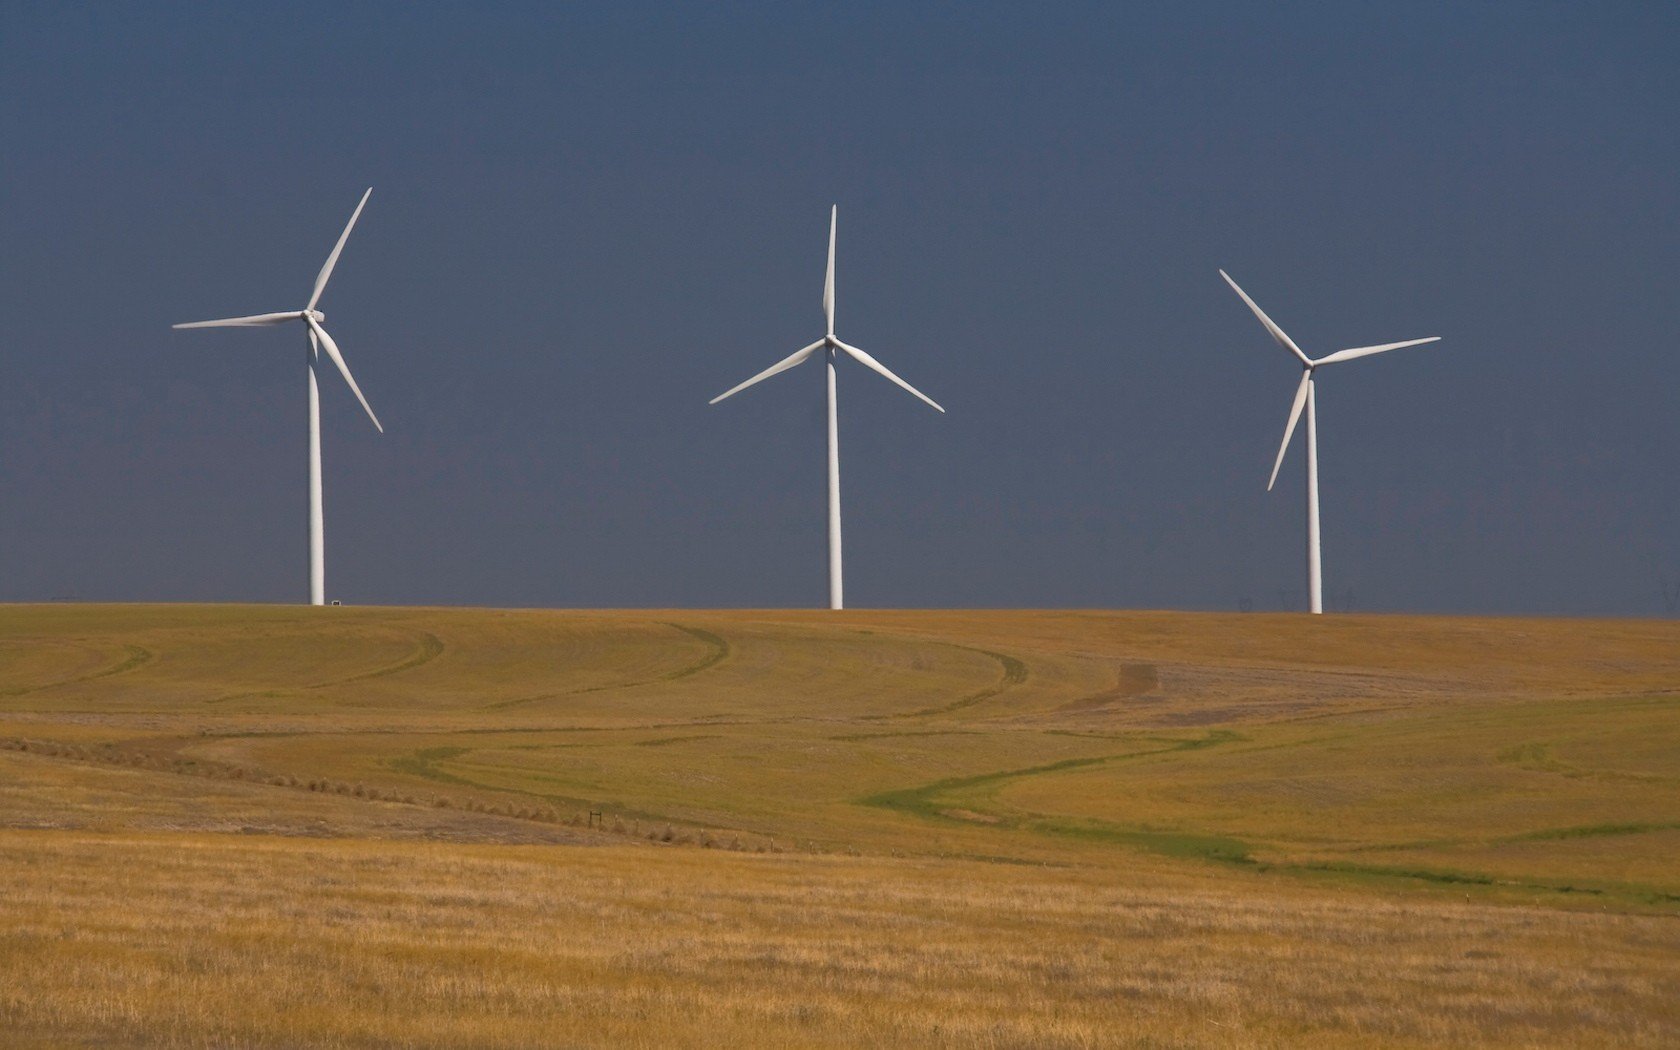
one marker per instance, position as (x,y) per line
(929,801)
(423,763)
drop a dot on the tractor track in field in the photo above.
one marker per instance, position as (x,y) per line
(1013,673)
(929,802)
(925,800)
(429,648)
(926,803)
(137,656)
(505,804)
(718,650)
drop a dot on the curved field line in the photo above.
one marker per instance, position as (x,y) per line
(429,649)
(1014,673)
(925,800)
(1589,831)
(1573,831)
(137,655)
(1638,892)
(719,650)
(425,763)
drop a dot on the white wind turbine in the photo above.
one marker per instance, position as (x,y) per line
(1304,397)
(318,339)
(830,347)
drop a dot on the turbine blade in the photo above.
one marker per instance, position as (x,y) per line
(343,369)
(253,321)
(332,260)
(1278,334)
(797,357)
(1367,351)
(1289,431)
(869,362)
(828,283)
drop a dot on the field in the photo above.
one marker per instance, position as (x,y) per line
(242,826)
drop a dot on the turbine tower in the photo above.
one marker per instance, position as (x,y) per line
(830,347)
(318,340)
(1304,396)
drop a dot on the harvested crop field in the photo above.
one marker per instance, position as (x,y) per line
(393,827)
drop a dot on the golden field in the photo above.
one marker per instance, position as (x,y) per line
(254,826)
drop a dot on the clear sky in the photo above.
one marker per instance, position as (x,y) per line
(587,220)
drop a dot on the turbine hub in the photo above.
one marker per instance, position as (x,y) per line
(317,316)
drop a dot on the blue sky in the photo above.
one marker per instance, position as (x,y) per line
(588,220)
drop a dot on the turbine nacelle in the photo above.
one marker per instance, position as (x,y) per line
(311,317)
(829,342)
(1308,365)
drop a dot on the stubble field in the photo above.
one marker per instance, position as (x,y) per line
(415,827)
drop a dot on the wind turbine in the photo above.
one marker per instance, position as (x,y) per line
(830,347)
(1304,396)
(318,340)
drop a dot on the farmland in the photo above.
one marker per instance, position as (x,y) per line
(372,827)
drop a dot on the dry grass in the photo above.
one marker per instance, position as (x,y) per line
(352,943)
(361,827)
